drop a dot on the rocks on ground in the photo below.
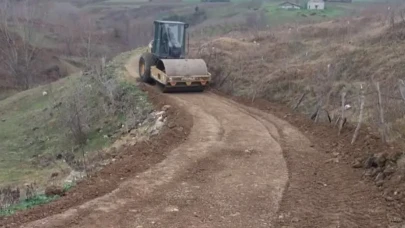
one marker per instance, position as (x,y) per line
(160,120)
(151,126)
(74,176)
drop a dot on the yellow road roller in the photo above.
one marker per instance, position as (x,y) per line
(165,61)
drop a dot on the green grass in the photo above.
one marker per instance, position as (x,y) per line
(199,1)
(27,204)
(126,1)
(373,1)
(278,16)
(68,186)
(117,4)
(32,134)
(6,93)
(21,114)
(32,202)
(273,15)
(224,12)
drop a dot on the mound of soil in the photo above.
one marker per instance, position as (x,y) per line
(54,191)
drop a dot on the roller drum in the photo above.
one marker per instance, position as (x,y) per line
(185,67)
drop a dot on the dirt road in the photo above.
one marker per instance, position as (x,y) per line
(230,172)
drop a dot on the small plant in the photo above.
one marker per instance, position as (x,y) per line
(11,202)
(68,186)
(26,204)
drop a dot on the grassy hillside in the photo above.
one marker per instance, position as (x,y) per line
(278,16)
(36,129)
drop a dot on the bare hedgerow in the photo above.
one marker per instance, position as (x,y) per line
(19,55)
(118,98)
(9,196)
(30,190)
(98,101)
(103,82)
(91,95)
(75,116)
(74,113)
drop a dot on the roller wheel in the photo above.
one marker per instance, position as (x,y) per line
(199,89)
(166,89)
(145,63)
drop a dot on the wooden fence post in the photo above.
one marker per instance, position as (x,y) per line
(382,121)
(401,85)
(342,117)
(362,98)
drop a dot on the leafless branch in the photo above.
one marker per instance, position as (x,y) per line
(401,85)
(362,98)
(18,33)
(342,117)
(381,111)
(300,100)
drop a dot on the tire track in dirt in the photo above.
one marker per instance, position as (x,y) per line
(230,172)
(243,176)
(322,192)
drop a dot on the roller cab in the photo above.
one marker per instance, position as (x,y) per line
(165,61)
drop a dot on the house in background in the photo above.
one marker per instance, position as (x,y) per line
(289,6)
(316,5)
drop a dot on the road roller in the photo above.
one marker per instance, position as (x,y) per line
(165,61)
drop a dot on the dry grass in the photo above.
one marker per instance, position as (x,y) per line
(283,64)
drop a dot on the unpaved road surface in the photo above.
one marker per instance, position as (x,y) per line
(230,172)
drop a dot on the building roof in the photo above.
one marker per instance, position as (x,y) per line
(289,3)
(315,1)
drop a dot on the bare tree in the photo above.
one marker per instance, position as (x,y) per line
(76,117)
(87,39)
(70,29)
(18,21)
(325,88)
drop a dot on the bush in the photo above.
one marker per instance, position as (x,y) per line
(97,106)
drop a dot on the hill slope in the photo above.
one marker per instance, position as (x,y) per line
(40,127)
